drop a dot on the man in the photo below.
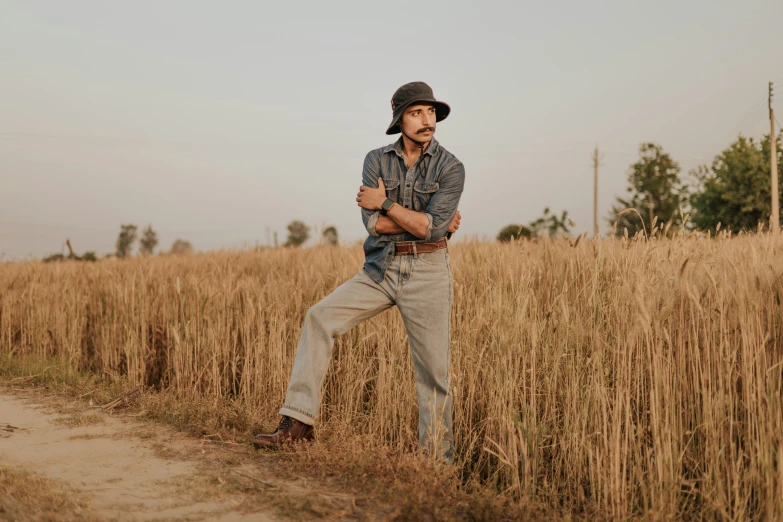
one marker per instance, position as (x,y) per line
(409,195)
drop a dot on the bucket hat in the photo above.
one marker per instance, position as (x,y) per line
(407,95)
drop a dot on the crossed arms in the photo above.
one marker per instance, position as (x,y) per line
(440,216)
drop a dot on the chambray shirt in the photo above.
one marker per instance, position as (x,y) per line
(433,185)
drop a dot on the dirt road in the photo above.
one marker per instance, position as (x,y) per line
(126,470)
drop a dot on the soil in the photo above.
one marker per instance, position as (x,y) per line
(134,470)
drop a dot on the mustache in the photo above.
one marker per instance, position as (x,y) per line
(425,129)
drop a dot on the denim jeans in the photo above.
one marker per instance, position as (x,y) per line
(420,285)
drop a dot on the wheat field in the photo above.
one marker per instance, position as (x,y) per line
(636,378)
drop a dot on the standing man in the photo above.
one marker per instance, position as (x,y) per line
(409,195)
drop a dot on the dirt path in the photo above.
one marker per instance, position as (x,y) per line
(126,470)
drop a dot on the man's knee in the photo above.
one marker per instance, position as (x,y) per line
(316,313)
(321,316)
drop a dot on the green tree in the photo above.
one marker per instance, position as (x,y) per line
(330,235)
(550,224)
(125,240)
(510,232)
(736,190)
(148,241)
(180,246)
(656,192)
(298,233)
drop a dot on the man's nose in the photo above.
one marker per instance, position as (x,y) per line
(427,119)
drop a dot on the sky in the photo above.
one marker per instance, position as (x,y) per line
(221,122)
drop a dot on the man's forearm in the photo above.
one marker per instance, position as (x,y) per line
(386,225)
(409,220)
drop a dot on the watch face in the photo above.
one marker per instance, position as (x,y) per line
(387,204)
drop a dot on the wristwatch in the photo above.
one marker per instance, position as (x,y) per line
(386,206)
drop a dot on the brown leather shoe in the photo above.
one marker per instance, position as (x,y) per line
(289,430)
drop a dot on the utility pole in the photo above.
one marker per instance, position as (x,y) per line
(652,214)
(596,163)
(773,164)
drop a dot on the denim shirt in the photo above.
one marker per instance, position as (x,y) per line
(433,186)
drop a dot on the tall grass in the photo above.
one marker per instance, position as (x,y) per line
(638,378)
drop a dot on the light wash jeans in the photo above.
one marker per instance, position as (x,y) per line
(420,286)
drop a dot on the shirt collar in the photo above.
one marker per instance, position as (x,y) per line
(432,148)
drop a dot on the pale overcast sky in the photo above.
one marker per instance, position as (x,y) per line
(215,120)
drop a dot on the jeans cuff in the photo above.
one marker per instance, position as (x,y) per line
(296,413)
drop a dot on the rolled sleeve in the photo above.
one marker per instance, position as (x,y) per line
(372,221)
(443,204)
(370,173)
(428,236)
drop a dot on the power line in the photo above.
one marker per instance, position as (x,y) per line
(758,104)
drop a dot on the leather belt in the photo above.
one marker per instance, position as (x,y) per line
(407,247)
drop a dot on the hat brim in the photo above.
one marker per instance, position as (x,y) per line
(442,111)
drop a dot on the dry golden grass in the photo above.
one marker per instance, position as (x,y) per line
(78,420)
(26,496)
(632,378)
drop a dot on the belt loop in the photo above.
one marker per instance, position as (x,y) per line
(415,253)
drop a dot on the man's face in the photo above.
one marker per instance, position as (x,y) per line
(418,122)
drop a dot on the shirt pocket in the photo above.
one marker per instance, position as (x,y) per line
(422,192)
(392,189)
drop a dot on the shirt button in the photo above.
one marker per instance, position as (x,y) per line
(406,206)
(407,184)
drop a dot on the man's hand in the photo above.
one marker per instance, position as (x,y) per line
(455,222)
(371,198)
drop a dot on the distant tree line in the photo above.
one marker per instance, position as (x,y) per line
(147,242)
(733,193)
(547,224)
(87,256)
(127,237)
(298,234)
